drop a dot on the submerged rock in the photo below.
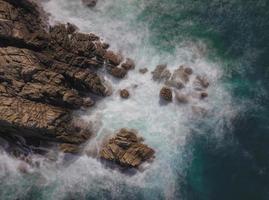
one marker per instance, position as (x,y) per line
(126,149)
(124,94)
(143,70)
(89,3)
(181,98)
(166,94)
(181,74)
(201,83)
(161,73)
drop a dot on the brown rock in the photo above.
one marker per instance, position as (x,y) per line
(126,149)
(166,94)
(124,94)
(45,73)
(128,64)
(113,58)
(118,72)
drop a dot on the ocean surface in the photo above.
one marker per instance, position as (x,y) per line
(223,155)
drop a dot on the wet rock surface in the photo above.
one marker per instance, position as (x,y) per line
(46,73)
(126,149)
(166,94)
(124,94)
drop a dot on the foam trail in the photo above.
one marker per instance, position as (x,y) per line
(165,128)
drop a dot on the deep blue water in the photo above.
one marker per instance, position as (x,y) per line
(238,32)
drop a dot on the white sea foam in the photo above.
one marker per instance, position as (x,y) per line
(165,128)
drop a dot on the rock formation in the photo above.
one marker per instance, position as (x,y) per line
(126,149)
(46,73)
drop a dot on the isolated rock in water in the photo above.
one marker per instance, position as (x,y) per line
(124,94)
(166,94)
(128,64)
(89,3)
(143,70)
(126,149)
(161,73)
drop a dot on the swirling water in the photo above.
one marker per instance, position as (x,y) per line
(215,157)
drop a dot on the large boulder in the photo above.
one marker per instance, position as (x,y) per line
(126,149)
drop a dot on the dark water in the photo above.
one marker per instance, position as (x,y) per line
(238,33)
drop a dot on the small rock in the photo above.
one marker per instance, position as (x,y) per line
(128,64)
(124,94)
(143,70)
(89,3)
(166,94)
(118,72)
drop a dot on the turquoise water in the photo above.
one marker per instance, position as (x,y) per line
(222,156)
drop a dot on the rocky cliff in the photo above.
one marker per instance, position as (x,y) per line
(45,74)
